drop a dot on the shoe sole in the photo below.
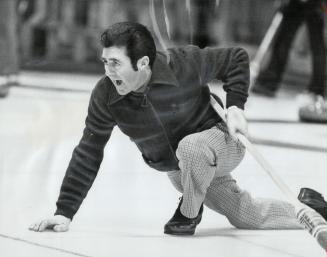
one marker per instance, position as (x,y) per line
(179,233)
(312,120)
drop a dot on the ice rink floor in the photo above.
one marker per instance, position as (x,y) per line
(128,205)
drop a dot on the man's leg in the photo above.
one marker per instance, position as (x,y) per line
(245,212)
(205,177)
(241,209)
(203,156)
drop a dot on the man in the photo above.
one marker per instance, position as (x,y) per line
(165,109)
(295,13)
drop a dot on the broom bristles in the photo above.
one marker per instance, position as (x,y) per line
(315,224)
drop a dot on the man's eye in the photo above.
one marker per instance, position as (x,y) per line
(113,63)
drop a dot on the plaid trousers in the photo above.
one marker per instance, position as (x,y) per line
(206,160)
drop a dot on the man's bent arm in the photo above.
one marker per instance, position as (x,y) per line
(230,65)
(86,157)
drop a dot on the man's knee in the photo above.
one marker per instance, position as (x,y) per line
(194,148)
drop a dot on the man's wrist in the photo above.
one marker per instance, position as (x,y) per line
(233,107)
(234,99)
(66,213)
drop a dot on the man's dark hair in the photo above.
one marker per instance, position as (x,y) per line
(135,37)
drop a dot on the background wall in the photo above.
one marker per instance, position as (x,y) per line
(64,34)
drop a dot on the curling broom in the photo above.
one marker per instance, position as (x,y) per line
(312,221)
(264,47)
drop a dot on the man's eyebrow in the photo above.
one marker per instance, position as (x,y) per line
(109,59)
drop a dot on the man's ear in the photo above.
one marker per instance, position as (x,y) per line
(143,62)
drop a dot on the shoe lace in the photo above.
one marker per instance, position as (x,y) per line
(320,104)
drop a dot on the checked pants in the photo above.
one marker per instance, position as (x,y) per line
(206,160)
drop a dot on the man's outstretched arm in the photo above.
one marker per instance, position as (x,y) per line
(83,167)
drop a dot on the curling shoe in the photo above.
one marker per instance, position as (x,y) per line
(181,225)
(314,200)
(314,112)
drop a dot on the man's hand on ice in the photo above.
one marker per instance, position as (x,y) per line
(57,223)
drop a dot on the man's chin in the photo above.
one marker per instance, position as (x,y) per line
(122,92)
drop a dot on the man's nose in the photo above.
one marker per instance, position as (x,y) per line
(109,70)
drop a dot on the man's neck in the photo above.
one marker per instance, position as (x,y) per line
(147,78)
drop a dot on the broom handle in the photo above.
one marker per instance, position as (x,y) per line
(264,47)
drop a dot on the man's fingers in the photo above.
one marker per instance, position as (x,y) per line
(41,225)
(44,225)
(232,131)
(60,228)
(34,226)
(244,131)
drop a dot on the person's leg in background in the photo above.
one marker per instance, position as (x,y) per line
(316,111)
(269,77)
(315,24)
(204,10)
(206,160)
(9,66)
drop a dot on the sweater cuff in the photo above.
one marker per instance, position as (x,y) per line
(238,100)
(65,212)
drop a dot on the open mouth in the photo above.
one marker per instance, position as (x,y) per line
(118,82)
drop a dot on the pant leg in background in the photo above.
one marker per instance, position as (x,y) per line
(270,77)
(8,38)
(315,23)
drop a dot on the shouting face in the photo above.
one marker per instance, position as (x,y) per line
(119,69)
